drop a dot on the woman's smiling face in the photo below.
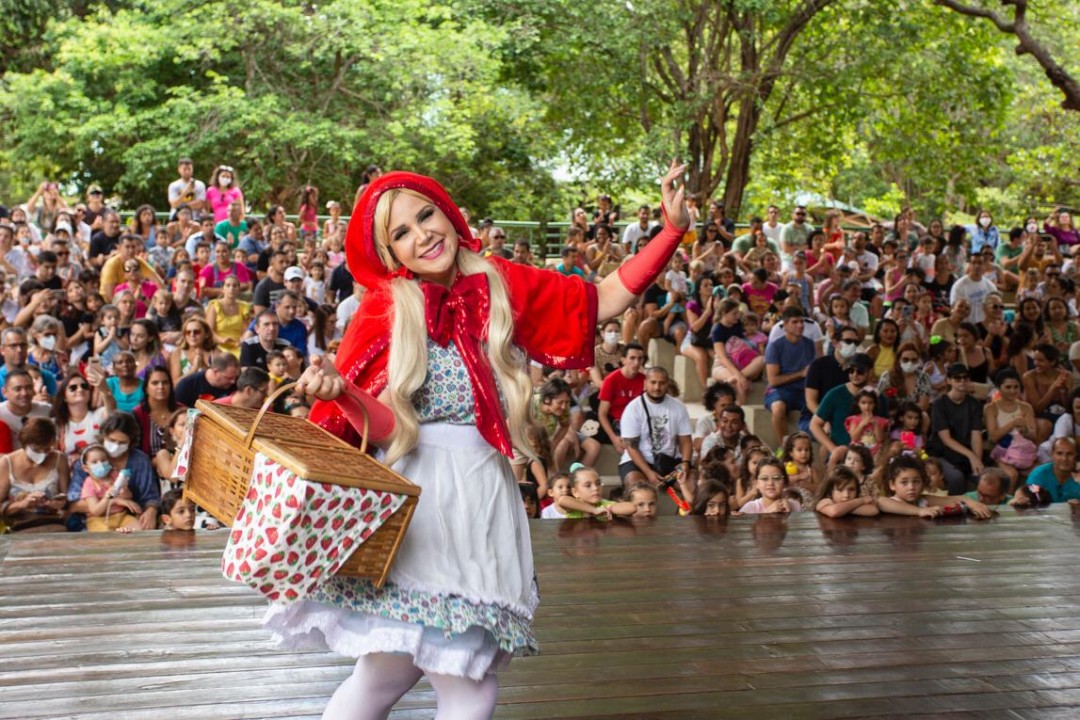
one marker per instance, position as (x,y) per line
(423,239)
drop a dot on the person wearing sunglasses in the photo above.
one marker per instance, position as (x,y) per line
(827,424)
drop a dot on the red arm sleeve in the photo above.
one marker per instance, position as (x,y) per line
(554,315)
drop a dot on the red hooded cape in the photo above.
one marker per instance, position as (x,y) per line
(554,315)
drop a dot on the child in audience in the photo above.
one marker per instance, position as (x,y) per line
(906,480)
(909,427)
(278,368)
(711,499)
(559,486)
(531,500)
(176,512)
(798,456)
(107,342)
(864,425)
(772,481)
(644,498)
(935,476)
(315,283)
(678,287)
(585,498)
(839,495)
(857,459)
(110,504)
(746,485)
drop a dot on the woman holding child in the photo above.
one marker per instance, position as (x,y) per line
(437,317)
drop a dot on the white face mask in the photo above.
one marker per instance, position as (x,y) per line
(1032,228)
(224,180)
(115,449)
(48,342)
(909,367)
(34,456)
(611,338)
(847,350)
(984,221)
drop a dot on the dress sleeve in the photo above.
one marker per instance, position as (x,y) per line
(554,315)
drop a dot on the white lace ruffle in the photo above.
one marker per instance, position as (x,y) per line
(311,626)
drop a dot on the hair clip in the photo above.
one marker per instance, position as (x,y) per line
(936,339)
(576,466)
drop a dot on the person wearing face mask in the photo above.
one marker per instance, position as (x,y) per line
(827,371)
(224,189)
(983,233)
(121,438)
(608,353)
(44,350)
(34,480)
(1060,225)
(906,381)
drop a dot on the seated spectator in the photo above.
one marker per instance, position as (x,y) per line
(786,362)
(20,405)
(113,271)
(569,263)
(251,389)
(255,349)
(192,353)
(212,277)
(78,420)
(120,434)
(164,461)
(956,432)
(717,396)
(656,434)
(828,423)
(215,382)
(145,345)
(227,316)
(1056,477)
(15,348)
(168,319)
(729,432)
(142,291)
(124,385)
(617,391)
(44,353)
(34,480)
(552,407)
(154,411)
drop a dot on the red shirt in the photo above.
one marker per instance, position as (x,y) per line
(619,390)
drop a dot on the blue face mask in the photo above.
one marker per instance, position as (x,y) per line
(101,469)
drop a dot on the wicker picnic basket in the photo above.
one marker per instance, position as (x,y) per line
(226,439)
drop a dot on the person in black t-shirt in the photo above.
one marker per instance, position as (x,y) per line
(216,381)
(103,242)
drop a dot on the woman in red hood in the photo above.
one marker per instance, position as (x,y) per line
(437,355)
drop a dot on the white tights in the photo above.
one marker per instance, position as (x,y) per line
(380,679)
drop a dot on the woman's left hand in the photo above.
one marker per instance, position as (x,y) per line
(674,195)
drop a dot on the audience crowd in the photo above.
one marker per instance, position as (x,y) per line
(902,368)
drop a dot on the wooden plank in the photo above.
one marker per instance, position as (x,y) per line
(754,618)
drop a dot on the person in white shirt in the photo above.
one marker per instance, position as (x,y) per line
(974,288)
(656,431)
(347,307)
(772,225)
(187,190)
(635,231)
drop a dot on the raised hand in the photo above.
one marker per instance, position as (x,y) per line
(674,195)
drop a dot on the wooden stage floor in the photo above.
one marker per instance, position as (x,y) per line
(758,617)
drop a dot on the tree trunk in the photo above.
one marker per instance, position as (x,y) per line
(742,150)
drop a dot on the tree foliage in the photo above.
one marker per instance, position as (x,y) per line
(873,103)
(290,93)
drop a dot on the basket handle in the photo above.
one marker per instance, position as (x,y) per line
(281,391)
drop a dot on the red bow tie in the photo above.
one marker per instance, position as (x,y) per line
(461,314)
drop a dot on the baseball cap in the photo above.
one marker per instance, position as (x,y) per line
(859,360)
(94,189)
(294,273)
(63,225)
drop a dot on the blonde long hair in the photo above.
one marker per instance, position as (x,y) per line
(407,365)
